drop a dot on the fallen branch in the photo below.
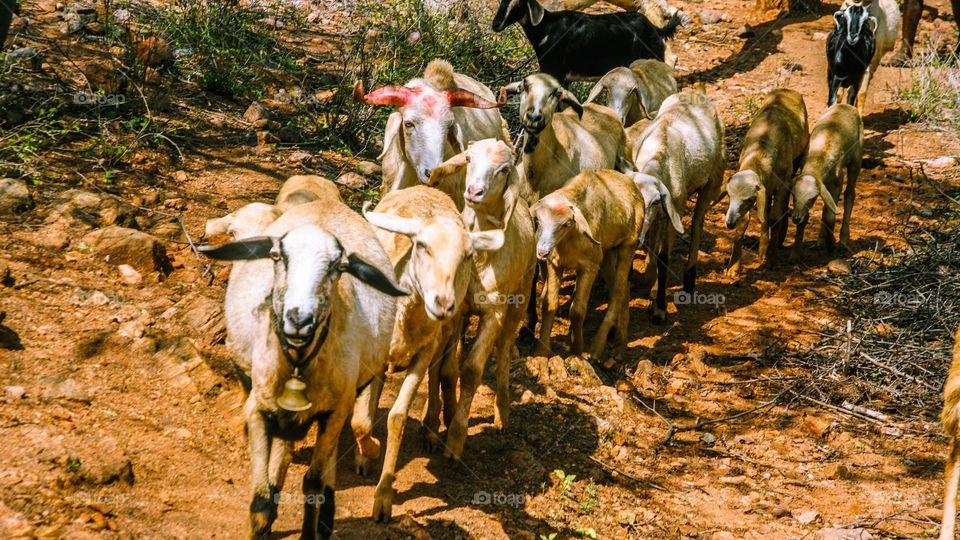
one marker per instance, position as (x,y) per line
(627,475)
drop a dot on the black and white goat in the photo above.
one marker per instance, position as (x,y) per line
(850,48)
(575,46)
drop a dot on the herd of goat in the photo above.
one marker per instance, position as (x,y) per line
(322,300)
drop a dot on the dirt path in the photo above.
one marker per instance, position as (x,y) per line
(119,378)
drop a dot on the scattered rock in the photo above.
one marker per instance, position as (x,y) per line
(300,157)
(843,534)
(14,196)
(153,52)
(352,180)
(745,32)
(120,245)
(106,466)
(205,317)
(129,274)
(60,388)
(805,517)
(708,17)
(368,168)
(256,111)
(76,209)
(526,397)
(584,371)
(13,524)
(271,22)
(290,134)
(839,266)
(793,67)
(643,380)
(105,78)
(97,299)
(836,471)
(184,367)
(708,438)
(15,393)
(816,425)
(6,276)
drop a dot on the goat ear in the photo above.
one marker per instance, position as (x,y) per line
(217,226)
(392,223)
(582,224)
(455,138)
(536,12)
(250,249)
(511,195)
(391,134)
(567,99)
(594,92)
(838,18)
(369,274)
(872,23)
(827,197)
(447,168)
(487,240)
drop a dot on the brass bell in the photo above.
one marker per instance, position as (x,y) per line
(293,398)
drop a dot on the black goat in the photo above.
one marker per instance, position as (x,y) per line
(8,8)
(576,46)
(850,48)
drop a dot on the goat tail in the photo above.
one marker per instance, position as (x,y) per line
(670,28)
(951,393)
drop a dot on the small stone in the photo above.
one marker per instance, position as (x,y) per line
(180,176)
(368,168)
(103,77)
(97,299)
(290,134)
(256,111)
(66,389)
(943,162)
(120,245)
(805,517)
(816,425)
(844,534)
(14,196)
(15,392)
(733,480)
(6,275)
(745,32)
(182,433)
(839,266)
(129,275)
(708,17)
(708,438)
(300,157)
(836,471)
(527,397)
(352,180)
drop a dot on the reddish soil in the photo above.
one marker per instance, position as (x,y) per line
(111,375)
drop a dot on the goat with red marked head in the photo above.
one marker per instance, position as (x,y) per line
(435,117)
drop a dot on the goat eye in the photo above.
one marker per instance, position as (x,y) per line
(275,255)
(408,125)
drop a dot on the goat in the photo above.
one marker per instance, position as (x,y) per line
(590,224)
(301,189)
(773,150)
(494,200)
(950,417)
(436,116)
(305,302)
(683,149)
(244,222)
(850,47)
(561,137)
(836,144)
(886,29)
(8,8)
(431,249)
(576,46)
(636,92)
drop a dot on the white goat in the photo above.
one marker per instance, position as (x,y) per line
(436,116)
(836,147)
(493,195)
(683,149)
(561,137)
(773,150)
(590,224)
(428,243)
(887,28)
(308,304)
(244,222)
(636,92)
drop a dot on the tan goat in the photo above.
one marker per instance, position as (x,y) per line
(836,146)
(951,418)
(590,224)
(772,152)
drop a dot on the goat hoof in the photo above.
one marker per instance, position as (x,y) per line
(431,441)
(690,280)
(383,505)
(659,316)
(362,465)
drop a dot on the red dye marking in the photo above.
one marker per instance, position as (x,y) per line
(433,104)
